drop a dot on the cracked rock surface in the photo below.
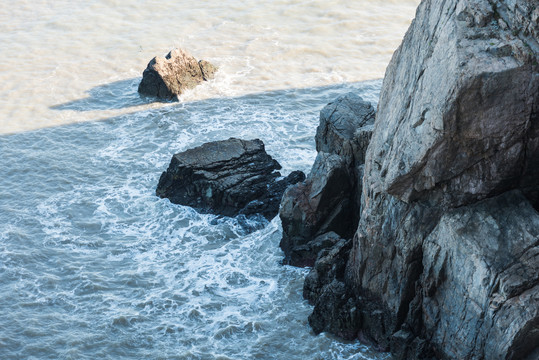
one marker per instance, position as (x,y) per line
(458,108)
(329,199)
(444,262)
(228,177)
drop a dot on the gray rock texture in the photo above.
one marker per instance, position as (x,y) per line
(330,197)
(228,177)
(480,281)
(170,76)
(444,262)
(335,310)
(458,107)
(345,128)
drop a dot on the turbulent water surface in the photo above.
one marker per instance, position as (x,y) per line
(92,263)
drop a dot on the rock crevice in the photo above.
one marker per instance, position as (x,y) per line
(328,200)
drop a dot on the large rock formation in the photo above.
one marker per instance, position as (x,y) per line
(444,263)
(457,104)
(228,177)
(328,200)
(170,76)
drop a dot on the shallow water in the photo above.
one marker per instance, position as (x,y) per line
(92,263)
(57,53)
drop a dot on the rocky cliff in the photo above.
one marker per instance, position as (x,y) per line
(445,260)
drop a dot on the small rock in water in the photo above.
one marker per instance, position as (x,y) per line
(170,76)
(444,262)
(228,177)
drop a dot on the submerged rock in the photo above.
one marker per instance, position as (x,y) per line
(329,198)
(170,76)
(444,263)
(228,177)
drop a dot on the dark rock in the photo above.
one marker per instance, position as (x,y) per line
(208,69)
(268,204)
(306,255)
(335,311)
(227,177)
(405,345)
(445,260)
(329,199)
(170,76)
(341,123)
(329,266)
(318,205)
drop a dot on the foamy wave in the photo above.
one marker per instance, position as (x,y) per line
(89,253)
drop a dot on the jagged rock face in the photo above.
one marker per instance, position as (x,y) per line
(170,76)
(456,123)
(330,197)
(457,110)
(444,263)
(228,177)
(480,284)
(469,274)
(320,204)
(306,255)
(335,311)
(345,128)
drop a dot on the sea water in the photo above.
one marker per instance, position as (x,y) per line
(92,264)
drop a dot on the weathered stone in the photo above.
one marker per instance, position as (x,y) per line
(444,263)
(208,69)
(480,282)
(329,199)
(170,76)
(339,122)
(316,206)
(456,123)
(330,265)
(450,95)
(227,177)
(268,204)
(335,310)
(305,255)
